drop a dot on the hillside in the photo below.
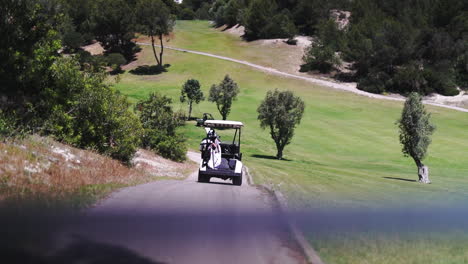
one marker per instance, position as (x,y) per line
(51,175)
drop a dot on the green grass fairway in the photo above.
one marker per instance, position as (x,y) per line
(345,153)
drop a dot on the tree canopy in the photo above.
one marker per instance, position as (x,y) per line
(154,19)
(281,112)
(223,95)
(415,132)
(191,93)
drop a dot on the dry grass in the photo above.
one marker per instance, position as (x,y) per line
(42,170)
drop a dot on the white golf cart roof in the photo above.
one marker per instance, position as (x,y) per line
(223,124)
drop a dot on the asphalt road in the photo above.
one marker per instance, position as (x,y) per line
(175,221)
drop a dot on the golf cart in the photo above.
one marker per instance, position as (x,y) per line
(221,159)
(206,116)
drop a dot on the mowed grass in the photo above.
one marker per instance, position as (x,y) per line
(390,248)
(200,35)
(345,153)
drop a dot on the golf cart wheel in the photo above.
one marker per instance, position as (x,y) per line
(237,180)
(202,178)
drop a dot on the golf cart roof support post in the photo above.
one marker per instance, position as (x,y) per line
(239,139)
(234,138)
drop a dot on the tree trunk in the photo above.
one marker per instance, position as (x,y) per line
(279,153)
(154,50)
(190,110)
(423,172)
(162,50)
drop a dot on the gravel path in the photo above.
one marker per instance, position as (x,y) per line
(350,87)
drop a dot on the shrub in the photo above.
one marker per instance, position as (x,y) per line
(115,60)
(373,82)
(87,113)
(320,57)
(160,124)
(7,127)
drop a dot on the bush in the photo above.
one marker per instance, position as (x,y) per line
(320,57)
(410,78)
(87,113)
(115,60)
(7,126)
(373,83)
(160,124)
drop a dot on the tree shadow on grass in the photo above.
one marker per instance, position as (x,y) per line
(149,70)
(399,179)
(267,157)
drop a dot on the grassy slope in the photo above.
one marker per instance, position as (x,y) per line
(344,148)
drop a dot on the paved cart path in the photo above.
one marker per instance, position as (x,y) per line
(350,87)
(173,221)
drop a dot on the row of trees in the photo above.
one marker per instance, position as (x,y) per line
(222,95)
(398,46)
(391,45)
(43,91)
(281,111)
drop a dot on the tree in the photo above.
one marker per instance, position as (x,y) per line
(223,95)
(155,19)
(415,131)
(281,112)
(115,26)
(191,93)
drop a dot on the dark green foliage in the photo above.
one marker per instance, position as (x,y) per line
(115,60)
(320,57)
(281,112)
(83,111)
(115,26)
(223,95)
(203,13)
(191,93)
(25,54)
(406,46)
(73,40)
(415,129)
(7,126)
(262,20)
(187,14)
(160,124)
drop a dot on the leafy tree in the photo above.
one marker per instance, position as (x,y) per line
(191,93)
(160,124)
(281,112)
(257,17)
(223,95)
(155,19)
(415,132)
(115,26)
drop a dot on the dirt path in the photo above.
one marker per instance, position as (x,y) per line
(183,221)
(350,87)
